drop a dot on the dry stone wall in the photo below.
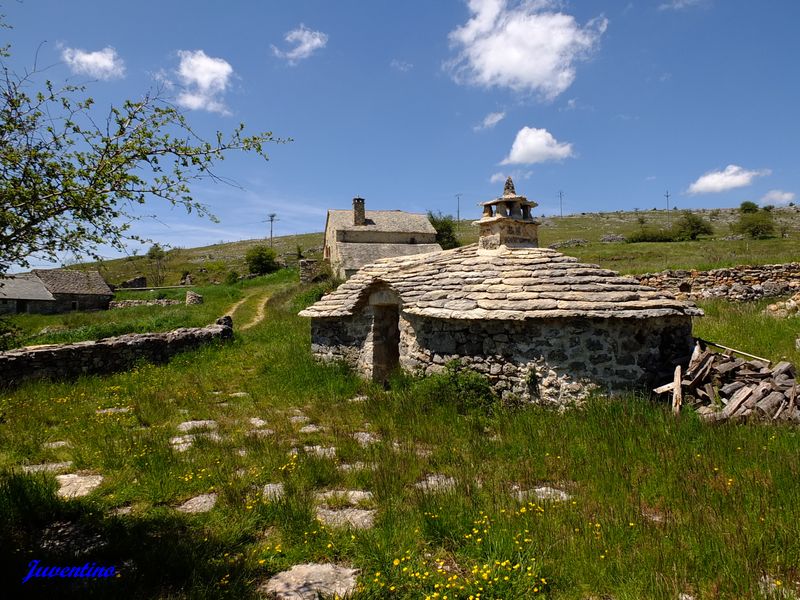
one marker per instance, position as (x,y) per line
(742,283)
(154,302)
(66,361)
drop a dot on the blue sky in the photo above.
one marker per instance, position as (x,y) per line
(410,103)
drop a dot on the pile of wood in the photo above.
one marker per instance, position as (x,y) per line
(721,386)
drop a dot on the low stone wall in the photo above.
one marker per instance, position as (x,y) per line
(554,362)
(66,361)
(130,303)
(742,283)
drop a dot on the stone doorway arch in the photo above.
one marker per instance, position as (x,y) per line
(385,333)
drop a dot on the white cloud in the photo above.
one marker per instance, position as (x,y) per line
(401,65)
(490,121)
(205,80)
(534,146)
(730,178)
(102,64)
(681,4)
(305,41)
(500,177)
(777,197)
(524,45)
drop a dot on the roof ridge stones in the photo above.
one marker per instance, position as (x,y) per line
(504,283)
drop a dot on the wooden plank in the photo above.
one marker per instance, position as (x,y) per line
(667,387)
(735,350)
(677,395)
(730,388)
(736,401)
(783,368)
(697,356)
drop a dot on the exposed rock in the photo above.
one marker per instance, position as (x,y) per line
(364,438)
(355,518)
(260,433)
(182,443)
(120,410)
(542,494)
(73,485)
(349,497)
(56,444)
(198,504)
(256,422)
(297,419)
(187,426)
(787,308)
(611,238)
(273,492)
(436,483)
(238,395)
(569,243)
(310,581)
(311,429)
(358,399)
(47,467)
(193,298)
(320,451)
(356,466)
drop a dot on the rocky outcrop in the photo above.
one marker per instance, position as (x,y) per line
(742,283)
(66,361)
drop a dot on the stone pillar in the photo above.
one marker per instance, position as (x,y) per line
(308,270)
(359,213)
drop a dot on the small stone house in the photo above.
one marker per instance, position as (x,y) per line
(359,237)
(541,325)
(47,291)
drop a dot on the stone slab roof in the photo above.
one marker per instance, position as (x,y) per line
(63,281)
(25,286)
(503,284)
(355,256)
(381,220)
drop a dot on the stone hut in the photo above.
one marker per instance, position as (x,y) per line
(541,325)
(359,237)
(47,291)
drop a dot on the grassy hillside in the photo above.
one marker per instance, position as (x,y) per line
(213,263)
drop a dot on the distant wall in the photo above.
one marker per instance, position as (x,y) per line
(745,282)
(67,361)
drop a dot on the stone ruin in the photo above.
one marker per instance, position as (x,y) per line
(540,325)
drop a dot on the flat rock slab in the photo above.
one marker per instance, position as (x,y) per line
(272,492)
(187,426)
(320,451)
(73,485)
(198,504)
(311,429)
(182,443)
(358,399)
(543,494)
(355,518)
(350,497)
(436,483)
(256,422)
(261,432)
(364,438)
(356,466)
(54,467)
(56,444)
(310,581)
(121,410)
(239,395)
(297,419)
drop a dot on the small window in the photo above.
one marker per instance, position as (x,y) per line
(74,305)
(413,240)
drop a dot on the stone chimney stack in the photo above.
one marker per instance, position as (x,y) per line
(507,221)
(359,214)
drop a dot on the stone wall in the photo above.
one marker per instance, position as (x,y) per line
(741,283)
(66,361)
(155,302)
(547,361)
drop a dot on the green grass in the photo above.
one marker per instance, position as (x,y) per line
(725,496)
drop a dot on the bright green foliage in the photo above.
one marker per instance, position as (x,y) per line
(457,386)
(650,235)
(758,225)
(748,207)
(157,256)
(445,227)
(261,260)
(690,226)
(69,176)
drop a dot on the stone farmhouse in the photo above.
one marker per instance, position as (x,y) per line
(54,291)
(542,326)
(359,237)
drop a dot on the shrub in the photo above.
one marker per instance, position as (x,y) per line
(457,386)
(445,227)
(690,225)
(261,260)
(650,235)
(232,278)
(748,207)
(9,335)
(757,225)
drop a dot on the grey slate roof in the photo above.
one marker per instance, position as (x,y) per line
(24,286)
(354,256)
(504,284)
(381,220)
(63,281)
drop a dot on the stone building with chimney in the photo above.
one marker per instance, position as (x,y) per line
(48,291)
(359,237)
(540,325)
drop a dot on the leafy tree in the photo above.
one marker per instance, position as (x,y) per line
(70,178)
(261,260)
(445,226)
(157,257)
(690,226)
(748,207)
(756,225)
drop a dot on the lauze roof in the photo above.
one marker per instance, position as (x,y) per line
(504,284)
(25,286)
(354,255)
(61,281)
(381,220)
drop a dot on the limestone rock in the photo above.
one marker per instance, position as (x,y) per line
(311,429)
(193,298)
(121,410)
(187,426)
(543,494)
(54,467)
(56,444)
(310,581)
(198,504)
(355,518)
(257,423)
(273,492)
(74,485)
(436,483)
(364,438)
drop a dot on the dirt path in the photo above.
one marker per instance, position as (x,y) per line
(260,313)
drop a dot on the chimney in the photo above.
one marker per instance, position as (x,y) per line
(507,221)
(359,214)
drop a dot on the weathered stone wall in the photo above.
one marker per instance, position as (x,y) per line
(154,302)
(309,269)
(744,282)
(66,361)
(547,361)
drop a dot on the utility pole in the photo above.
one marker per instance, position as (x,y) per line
(561,202)
(458,211)
(669,218)
(271,217)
